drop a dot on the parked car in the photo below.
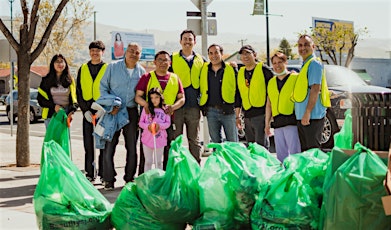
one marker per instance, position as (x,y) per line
(2,99)
(35,108)
(343,84)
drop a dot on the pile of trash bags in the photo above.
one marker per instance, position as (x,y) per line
(239,187)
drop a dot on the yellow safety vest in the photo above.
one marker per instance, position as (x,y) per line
(301,87)
(188,76)
(228,84)
(255,94)
(90,87)
(280,101)
(45,110)
(170,92)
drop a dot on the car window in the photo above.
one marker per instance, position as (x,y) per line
(33,95)
(340,76)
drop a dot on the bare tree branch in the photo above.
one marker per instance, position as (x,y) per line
(46,34)
(9,36)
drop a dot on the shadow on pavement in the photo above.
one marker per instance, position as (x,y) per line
(19,191)
(18,178)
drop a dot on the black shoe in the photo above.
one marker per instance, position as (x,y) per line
(109,185)
(90,179)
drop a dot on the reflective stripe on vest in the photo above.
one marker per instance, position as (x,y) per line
(255,94)
(170,92)
(90,87)
(301,87)
(281,100)
(228,84)
(188,76)
(45,110)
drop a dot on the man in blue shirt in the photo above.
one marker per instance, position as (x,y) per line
(120,80)
(310,113)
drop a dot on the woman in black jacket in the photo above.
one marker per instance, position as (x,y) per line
(57,89)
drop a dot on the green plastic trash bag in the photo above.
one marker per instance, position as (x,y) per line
(129,214)
(311,165)
(352,191)
(289,203)
(64,198)
(172,196)
(344,138)
(229,184)
(58,131)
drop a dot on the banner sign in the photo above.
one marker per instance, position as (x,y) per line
(120,41)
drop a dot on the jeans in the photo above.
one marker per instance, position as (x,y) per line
(255,130)
(216,120)
(89,149)
(130,134)
(287,141)
(189,116)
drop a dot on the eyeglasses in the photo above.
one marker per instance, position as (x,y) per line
(246,54)
(162,60)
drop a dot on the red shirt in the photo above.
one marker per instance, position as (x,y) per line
(143,82)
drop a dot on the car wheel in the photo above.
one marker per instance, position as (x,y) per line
(329,129)
(32,117)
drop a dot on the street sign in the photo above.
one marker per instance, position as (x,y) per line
(197,3)
(198,14)
(195,26)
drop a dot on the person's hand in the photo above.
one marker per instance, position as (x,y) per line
(115,110)
(99,113)
(69,119)
(305,120)
(146,109)
(239,124)
(233,64)
(267,130)
(57,108)
(88,116)
(169,110)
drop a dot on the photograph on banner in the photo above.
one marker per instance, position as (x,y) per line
(120,40)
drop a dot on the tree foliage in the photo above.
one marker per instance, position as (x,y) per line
(337,43)
(285,48)
(26,55)
(67,36)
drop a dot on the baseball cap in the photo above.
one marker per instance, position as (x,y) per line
(247,48)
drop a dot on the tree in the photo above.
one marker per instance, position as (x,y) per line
(26,56)
(67,35)
(285,48)
(336,42)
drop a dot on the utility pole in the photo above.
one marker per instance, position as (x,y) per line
(12,73)
(204,34)
(267,34)
(94,25)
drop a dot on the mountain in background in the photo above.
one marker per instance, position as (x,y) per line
(231,42)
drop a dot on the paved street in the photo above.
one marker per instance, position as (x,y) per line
(17,184)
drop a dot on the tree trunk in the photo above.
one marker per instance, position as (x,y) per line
(22,134)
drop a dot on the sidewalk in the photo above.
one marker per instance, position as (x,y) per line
(17,184)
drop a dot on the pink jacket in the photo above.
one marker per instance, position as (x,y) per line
(164,121)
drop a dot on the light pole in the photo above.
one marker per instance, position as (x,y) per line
(94,25)
(12,73)
(267,34)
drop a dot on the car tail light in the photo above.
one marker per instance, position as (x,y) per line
(345,104)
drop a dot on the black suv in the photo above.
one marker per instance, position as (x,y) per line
(343,84)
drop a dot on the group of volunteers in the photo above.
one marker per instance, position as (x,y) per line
(122,96)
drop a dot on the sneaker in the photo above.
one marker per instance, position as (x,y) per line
(108,186)
(90,179)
